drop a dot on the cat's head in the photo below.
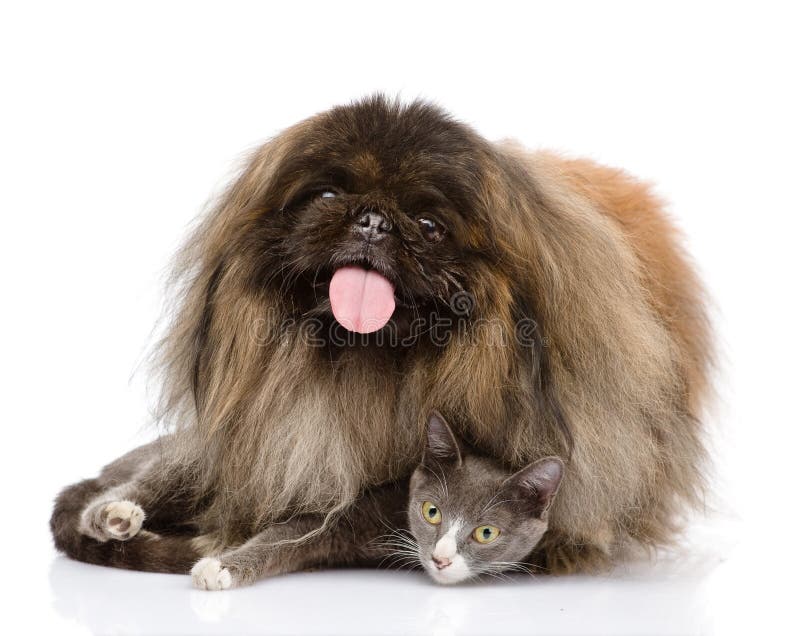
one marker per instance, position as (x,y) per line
(470,516)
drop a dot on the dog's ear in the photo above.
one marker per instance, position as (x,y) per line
(537,484)
(441,445)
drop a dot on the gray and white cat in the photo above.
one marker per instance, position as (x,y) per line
(463,516)
(460,515)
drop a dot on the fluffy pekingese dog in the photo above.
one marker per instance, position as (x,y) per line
(381,260)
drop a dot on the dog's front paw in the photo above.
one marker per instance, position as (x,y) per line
(209,574)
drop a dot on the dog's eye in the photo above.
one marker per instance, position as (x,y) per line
(431,230)
(309,196)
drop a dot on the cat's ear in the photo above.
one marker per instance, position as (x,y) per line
(537,483)
(441,445)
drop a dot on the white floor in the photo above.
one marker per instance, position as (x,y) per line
(370,602)
(709,586)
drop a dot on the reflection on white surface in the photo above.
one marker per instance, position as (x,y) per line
(670,596)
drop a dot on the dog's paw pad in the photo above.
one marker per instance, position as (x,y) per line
(208,574)
(123,519)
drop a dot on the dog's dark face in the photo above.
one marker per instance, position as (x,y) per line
(397,190)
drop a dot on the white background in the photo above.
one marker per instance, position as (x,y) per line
(120,121)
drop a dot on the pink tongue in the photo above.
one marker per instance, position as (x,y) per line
(362,300)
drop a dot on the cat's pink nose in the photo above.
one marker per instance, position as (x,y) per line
(441,562)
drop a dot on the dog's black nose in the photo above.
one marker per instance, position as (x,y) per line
(373,225)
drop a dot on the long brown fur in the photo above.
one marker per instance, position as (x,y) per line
(266,426)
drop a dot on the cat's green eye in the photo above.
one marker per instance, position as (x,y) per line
(431,513)
(486,534)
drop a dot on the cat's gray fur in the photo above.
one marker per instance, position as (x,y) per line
(384,527)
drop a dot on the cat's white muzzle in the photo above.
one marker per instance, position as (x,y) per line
(455,572)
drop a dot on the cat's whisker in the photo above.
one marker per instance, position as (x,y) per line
(442,481)
(396,554)
(493,504)
(397,539)
(493,572)
(395,536)
(405,550)
(408,544)
(404,539)
(409,558)
(400,562)
(506,567)
(400,550)
(486,572)
(489,503)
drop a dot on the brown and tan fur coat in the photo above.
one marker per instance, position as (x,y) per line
(265,426)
